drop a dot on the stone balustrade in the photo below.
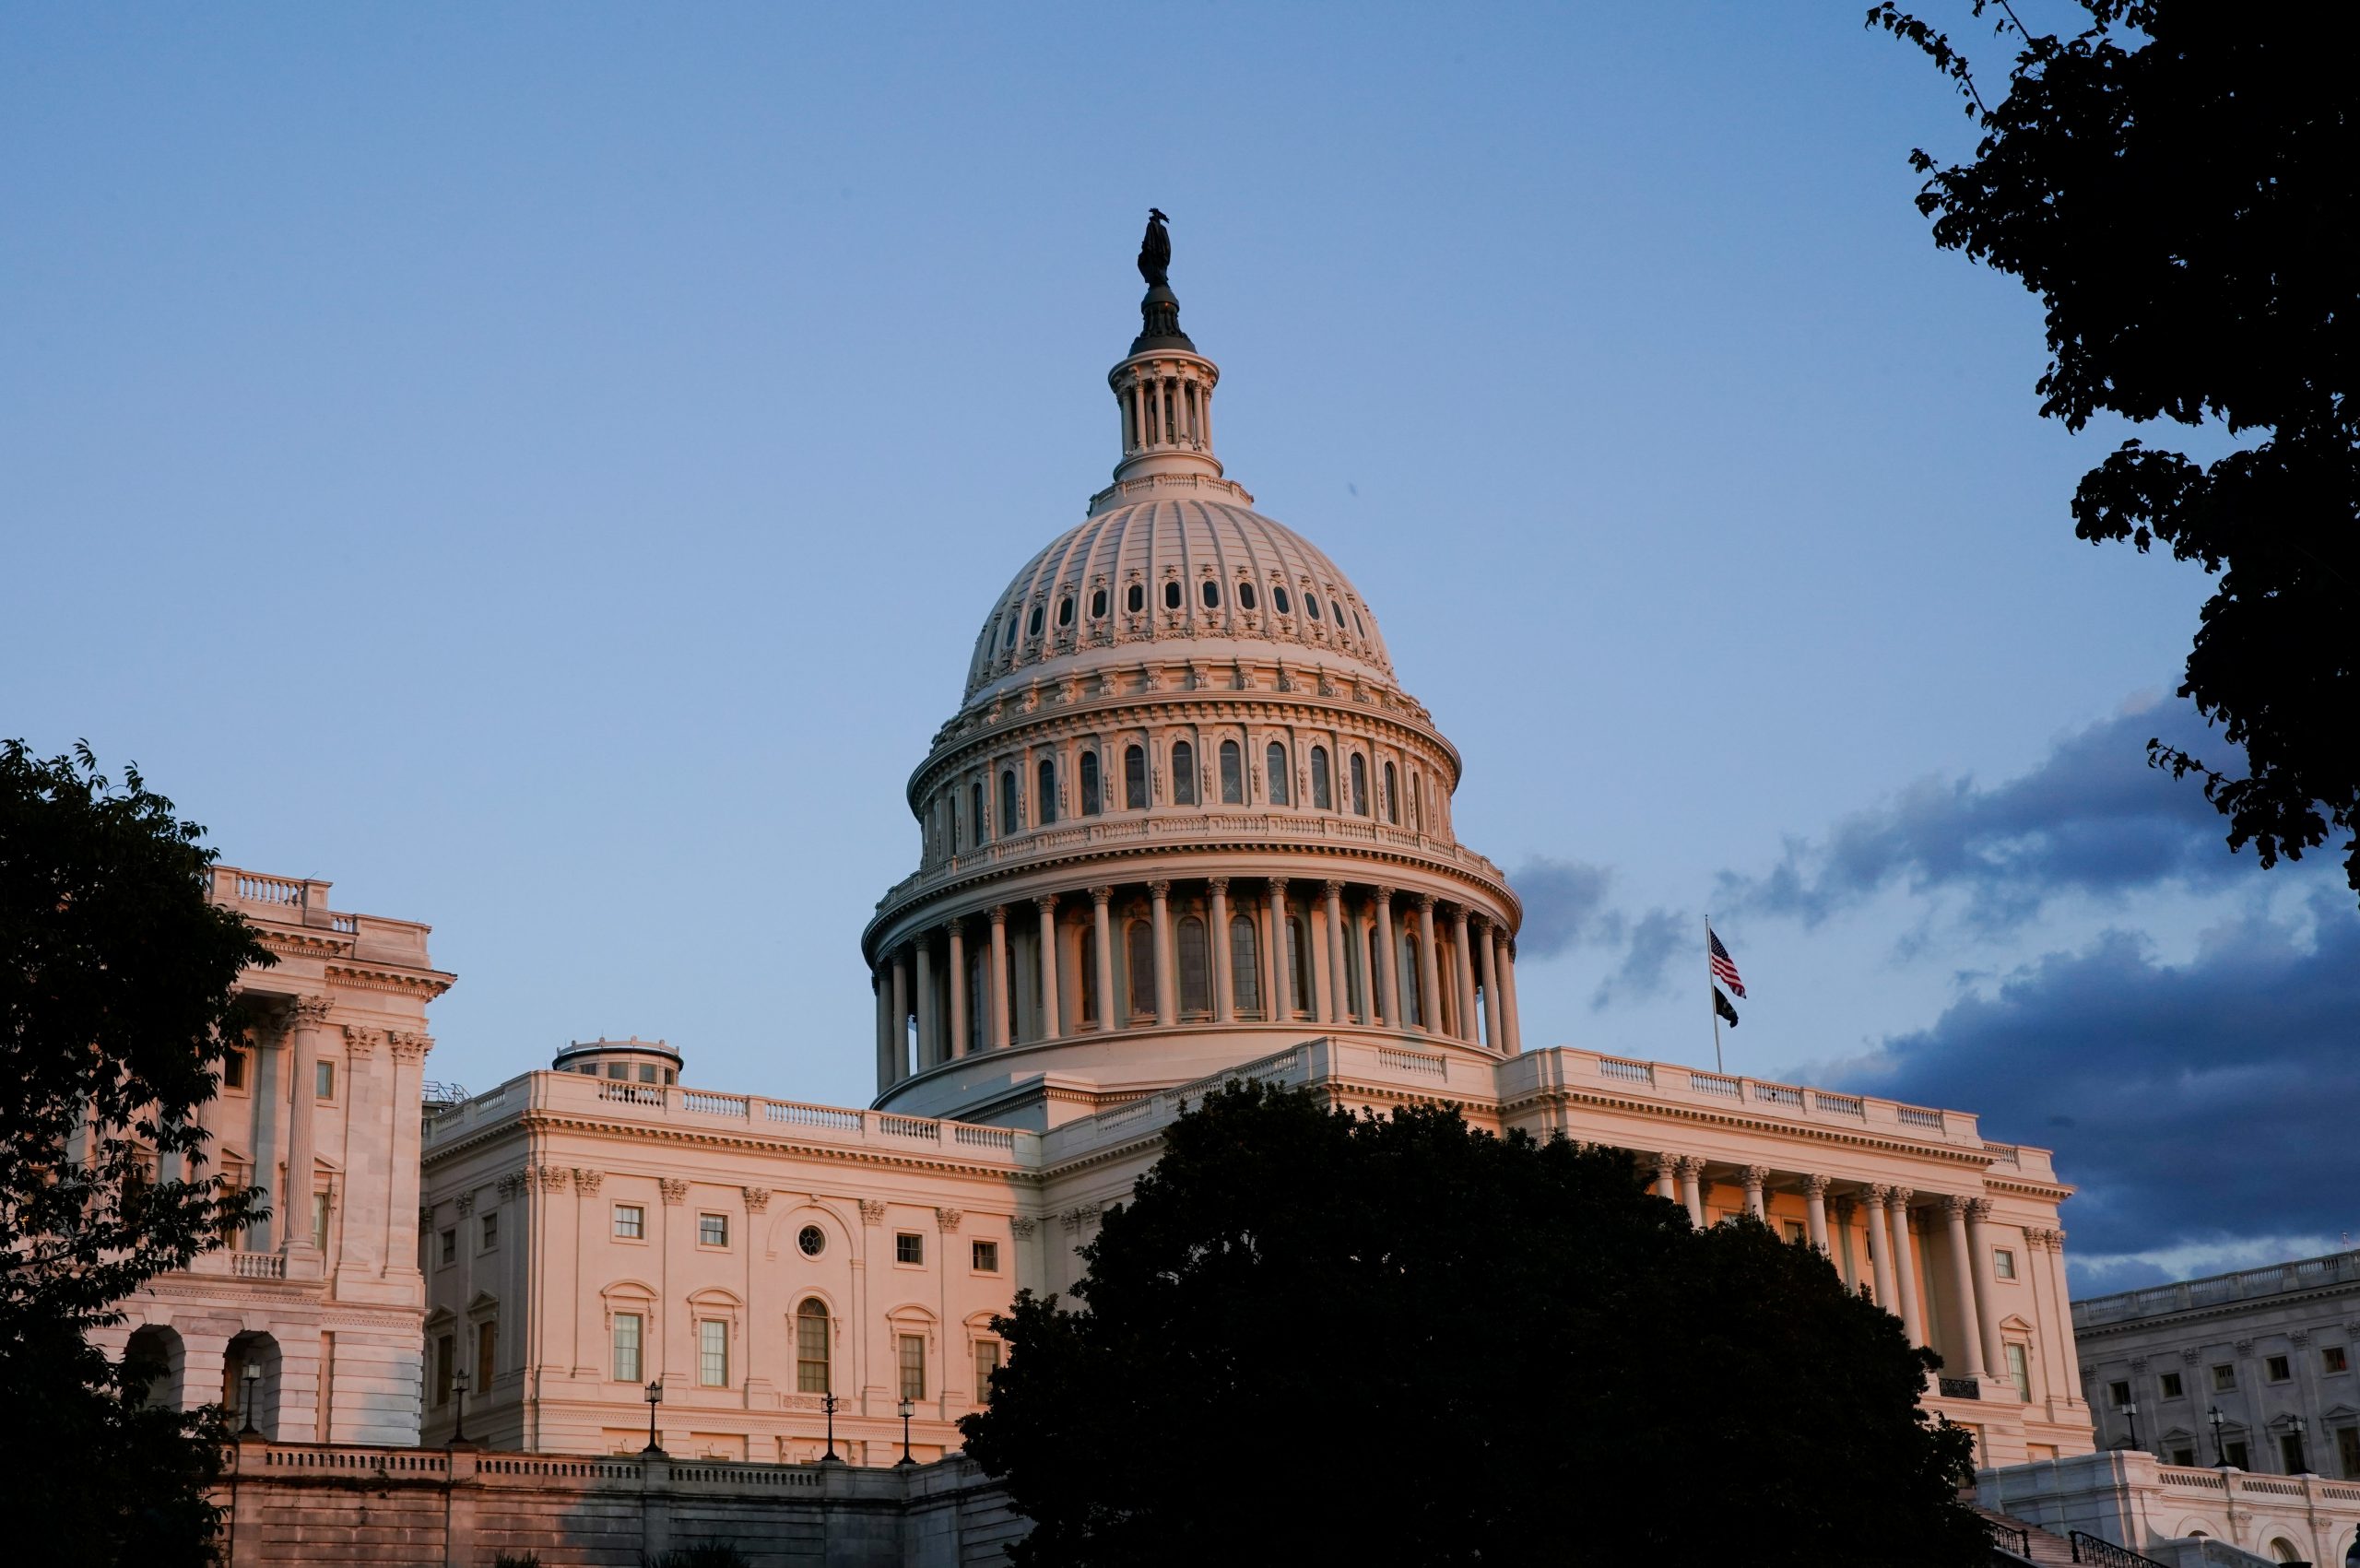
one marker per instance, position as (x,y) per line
(287,901)
(2132,1499)
(2220,1289)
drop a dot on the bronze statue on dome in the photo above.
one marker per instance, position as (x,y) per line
(1155,251)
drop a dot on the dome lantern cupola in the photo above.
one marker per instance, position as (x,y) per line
(1164,388)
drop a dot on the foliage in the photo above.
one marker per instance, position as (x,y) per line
(704,1554)
(1313,1336)
(115,982)
(2177,182)
(517,1560)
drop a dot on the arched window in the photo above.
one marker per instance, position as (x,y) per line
(975,808)
(1135,778)
(1357,630)
(1322,788)
(1007,801)
(1274,763)
(1090,804)
(1098,604)
(979,995)
(1088,974)
(1392,795)
(1233,774)
(1196,977)
(1246,595)
(1417,794)
(1311,605)
(1245,964)
(1135,597)
(1065,611)
(1045,800)
(1299,965)
(812,1359)
(1184,774)
(950,804)
(1378,1000)
(1172,595)
(1413,1005)
(1033,627)
(1009,641)
(1212,591)
(1359,785)
(1139,959)
(1279,599)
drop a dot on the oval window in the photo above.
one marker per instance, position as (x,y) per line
(1009,641)
(1136,599)
(1172,595)
(1065,611)
(1246,595)
(1311,605)
(1357,628)
(1279,601)
(811,1241)
(1212,593)
(1032,629)
(1098,605)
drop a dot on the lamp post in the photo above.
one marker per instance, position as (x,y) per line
(828,1403)
(459,1420)
(2302,1455)
(655,1396)
(2131,1414)
(249,1384)
(908,1408)
(2220,1452)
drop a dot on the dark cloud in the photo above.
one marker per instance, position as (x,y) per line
(1657,938)
(2093,818)
(1567,906)
(2194,1105)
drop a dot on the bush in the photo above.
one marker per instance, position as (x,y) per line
(515,1560)
(704,1554)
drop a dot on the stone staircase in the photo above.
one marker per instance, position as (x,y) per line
(2045,1549)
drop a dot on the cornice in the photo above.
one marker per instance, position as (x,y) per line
(2215,1311)
(530,1121)
(427,983)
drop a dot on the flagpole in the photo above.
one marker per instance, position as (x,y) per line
(1710,1000)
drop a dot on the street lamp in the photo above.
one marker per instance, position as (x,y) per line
(2131,1414)
(655,1396)
(2302,1456)
(828,1403)
(908,1408)
(250,1376)
(459,1420)
(2220,1452)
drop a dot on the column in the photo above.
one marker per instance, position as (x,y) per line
(1970,1332)
(1335,1010)
(957,980)
(1281,991)
(1466,967)
(2060,1314)
(930,1051)
(311,1018)
(1754,1176)
(998,987)
(1217,940)
(1815,1211)
(262,1142)
(1692,1190)
(1986,1288)
(1159,894)
(1490,988)
(369,1179)
(882,985)
(1839,1239)
(1904,1267)
(1665,1166)
(1508,995)
(1388,961)
(1103,924)
(1047,904)
(1879,1246)
(401,1216)
(1429,968)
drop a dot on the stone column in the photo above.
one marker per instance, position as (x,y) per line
(1880,1247)
(1490,988)
(1815,1211)
(1103,926)
(956,983)
(1465,966)
(1281,991)
(930,1049)
(1388,960)
(1159,894)
(998,987)
(1986,1288)
(1047,904)
(901,1015)
(1336,1012)
(881,983)
(1666,1167)
(1217,942)
(263,1141)
(369,1177)
(1508,995)
(1904,1267)
(1754,1176)
(1691,1189)
(401,1217)
(1429,968)
(1969,1332)
(311,1020)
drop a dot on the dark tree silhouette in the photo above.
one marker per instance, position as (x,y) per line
(2177,182)
(1317,1338)
(116,989)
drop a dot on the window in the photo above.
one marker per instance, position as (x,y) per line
(2334,1358)
(1088,974)
(1299,965)
(2347,1450)
(1135,597)
(1233,774)
(2173,1389)
(1090,805)
(810,1241)
(2003,1263)
(616,1070)
(1322,791)
(1172,595)
(2183,1456)
(912,1358)
(1278,601)
(713,1229)
(1065,611)
(1413,1001)
(1044,803)
(648,1072)
(631,1223)
(1033,626)
(2292,1460)
(319,1220)
(1274,764)
(1196,982)
(234,1069)
(1246,595)
(1311,605)
(950,810)
(1794,1229)
(712,1351)
(812,1359)
(2276,1369)
(322,1080)
(975,810)
(1357,627)
(2235,1452)
(986,1257)
(1359,785)
(2020,1371)
(1245,964)
(1140,958)
(627,1342)
(1135,778)
(2224,1376)
(909,1247)
(490,1233)
(987,1363)
(486,1354)
(445,1356)
(1392,795)
(1211,592)
(1098,604)
(1009,641)
(2117,1394)
(1184,774)
(1006,802)
(450,1247)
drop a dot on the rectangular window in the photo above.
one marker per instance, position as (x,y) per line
(2237,1458)
(713,1353)
(631,1223)
(2183,1456)
(618,1069)
(2172,1388)
(2119,1393)
(1794,1229)
(233,1070)
(486,1354)
(2347,1450)
(323,1080)
(445,1352)
(2003,1263)
(626,1332)
(713,1229)
(319,1220)
(909,1247)
(811,1360)
(648,1072)
(2332,1358)
(986,1257)
(987,1363)
(913,1365)
(491,1237)
(2277,1370)
(2224,1376)
(450,1247)
(2020,1372)
(2291,1457)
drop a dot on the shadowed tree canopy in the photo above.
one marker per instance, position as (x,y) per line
(1313,1336)
(2176,181)
(115,992)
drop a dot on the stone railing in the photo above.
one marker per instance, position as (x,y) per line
(2218,1290)
(288,901)
(2126,1500)
(580,1094)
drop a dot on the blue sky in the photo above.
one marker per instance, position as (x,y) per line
(543,469)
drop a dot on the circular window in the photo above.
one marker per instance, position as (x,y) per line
(1311,604)
(812,1240)
(1065,612)
(1212,593)
(1172,595)
(1135,600)
(1246,595)
(1279,601)
(1034,628)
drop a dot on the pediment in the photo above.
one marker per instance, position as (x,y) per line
(483,1301)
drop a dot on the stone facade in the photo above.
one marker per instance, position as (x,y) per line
(2183,1515)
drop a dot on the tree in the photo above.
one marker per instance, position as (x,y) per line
(2177,182)
(1320,1337)
(116,978)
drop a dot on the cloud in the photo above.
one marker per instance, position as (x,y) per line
(1657,938)
(1567,907)
(2198,1107)
(2093,818)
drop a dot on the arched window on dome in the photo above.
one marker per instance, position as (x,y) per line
(1065,611)
(1392,795)
(975,810)
(1135,597)
(1378,1000)
(1359,785)
(1233,774)
(812,1363)
(1008,639)
(1088,974)
(1417,794)
(1007,801)
(1211,592)
(979,995)
(1279,599)
(1245,964)
(1246,595)
(1311,604)
(950,806)
(1172,595)
(1299,965)
(1090,802)
(1098,604)
(1184,774)
(1045,800)
(1414,1005)
(1138,961)
(1274,765)
(1135,778)
(1033,627)
(1322,788)
(1357,630)
(1196,975)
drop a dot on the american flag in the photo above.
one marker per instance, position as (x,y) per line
(1724,967)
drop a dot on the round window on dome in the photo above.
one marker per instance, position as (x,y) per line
(1172,595)
(1278,601)
(1135,600)
(1065,611)
(1098,605)
(811,1241)
(1212,593)
(1032,629)
(1246,595)
(1311,605)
